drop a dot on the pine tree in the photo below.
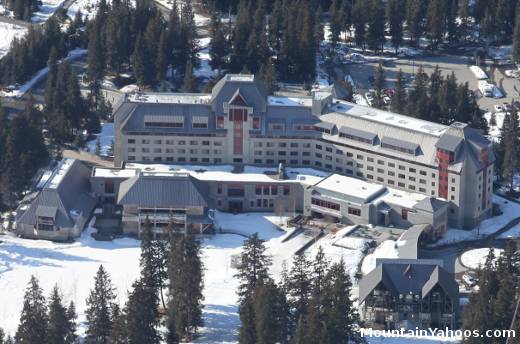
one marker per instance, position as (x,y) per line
(398,101)
(254,265)
(186,285)
(516,37)
(379,84)
(359,19)
(509,143)
(376,25)
(299,286)
(100,309)
(395,18)
(119,334)
(342,317)
(335,23)
(58,321)
(70,335)
(142,316)
(436,23)
(415,14)
(190,81)
(270,313)
(33,327)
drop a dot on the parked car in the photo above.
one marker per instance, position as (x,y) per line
(370,98)
(499,108)
(469,281)
(506,106)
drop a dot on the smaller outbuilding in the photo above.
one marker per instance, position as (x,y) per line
(60,206)
(409,293)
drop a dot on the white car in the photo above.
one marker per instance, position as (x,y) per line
(499,108)
(369,97)
(469,280)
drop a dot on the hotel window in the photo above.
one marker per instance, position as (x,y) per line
(282,153)
(401,185)
(256,122)
(157,150)
(145,150)
(131,149)
(257,144)
(294,162)
(294,145)
(181,143)
(145,141)
(354,211)
(359,156)
(391,173)
(131,158)
(205,143)
(380,162)
(258,161)
(157,142)
(369,176)
(325,204)
(380,170)
(412,170)
(391,164)
(306,145)
(294,153)
(194,143)
(276,126)
(217,160)
(370,159)
(220,122)
(282,144)
(258,152)
(131,140)
(319,147)
(274,190)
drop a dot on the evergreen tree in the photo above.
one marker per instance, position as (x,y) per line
(415,14)
(342,317)
(59,326)
(254,265)
(436,23)
(299,287)
(516,37)
(190,81)
(379,84)
(395,18)
(142,316)
(119,334)
(376,25)
(186,284)
(100,309)
(359,20)
(71,336)
(33,327)
(398,101)
(509,143)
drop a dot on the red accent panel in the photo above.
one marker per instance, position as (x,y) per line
(444,158)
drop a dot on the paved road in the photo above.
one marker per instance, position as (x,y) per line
(447,64)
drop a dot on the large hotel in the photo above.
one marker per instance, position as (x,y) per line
(180,156)
(240,124)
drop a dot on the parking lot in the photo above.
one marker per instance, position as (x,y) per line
(447,63)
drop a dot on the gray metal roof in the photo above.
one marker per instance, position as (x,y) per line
(148,190)
(430,204)
(71,194)
(399,143)
(449,143)
(46,211)
(252,90)
(325,125)
(358,133)
(408,276)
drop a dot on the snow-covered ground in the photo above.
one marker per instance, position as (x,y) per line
(47,9)
(387,249)
(9,32)
(489,226)
(476,258)
(204,70)
(73,266)
(106,136)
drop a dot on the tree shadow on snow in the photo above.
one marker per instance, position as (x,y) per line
(221,324)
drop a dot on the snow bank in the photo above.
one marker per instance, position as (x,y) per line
(487,227)
(9,32)
(47,9)
(478,72)
(387,249)
(476,258)
(106,136)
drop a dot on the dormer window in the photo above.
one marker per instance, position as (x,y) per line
(45,223)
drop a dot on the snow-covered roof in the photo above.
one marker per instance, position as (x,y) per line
(400,198)
(388,118)
(289,101)
(225,173)
(170,98)
(113,172)
(57,176)
(350,186)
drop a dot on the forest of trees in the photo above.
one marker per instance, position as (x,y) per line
(311,304)
(22,152)
(493,305)
(23,9)
(171,268)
